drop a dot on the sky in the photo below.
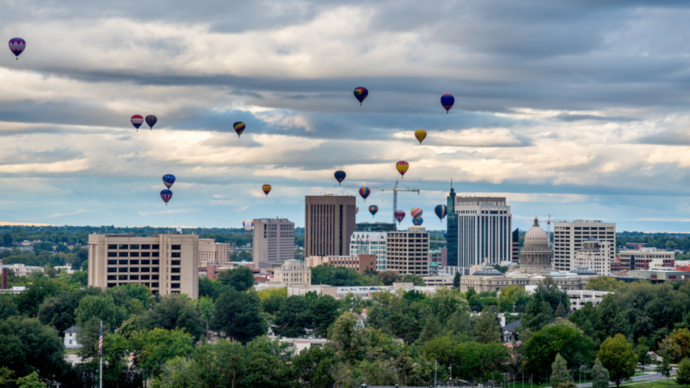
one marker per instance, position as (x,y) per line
(573,109)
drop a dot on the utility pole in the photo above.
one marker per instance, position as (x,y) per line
(435,371)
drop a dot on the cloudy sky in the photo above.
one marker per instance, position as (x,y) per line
(577,109)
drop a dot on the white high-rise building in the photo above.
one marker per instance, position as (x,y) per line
(595,256)
(484,232)
(370,243)
(569,237)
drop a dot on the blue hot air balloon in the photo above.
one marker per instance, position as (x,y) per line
(447,100)
(340,176)
(168,180)
(165,196)
(361,93)
(151,120)
(441,211)
(418,221)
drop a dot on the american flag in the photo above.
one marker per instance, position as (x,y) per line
(100,343)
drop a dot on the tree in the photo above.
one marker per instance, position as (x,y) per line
(412,278)
(611,320)
(683,375)
(618,357)
(312,367)
(26,346)
(388,277)
(7,240)
(561,312)
(537,315)
(336,276)
(559,372)
(676,346)
(511,297)
(587,320)
(348,339)
(153,348)
(542,347)
(178,373)
(237,315)
(222,364)
(7,307)
(456,281)
(322,313)
(240,278)
(30,381)
(664,368)
(487,329)
(291,320)
(605,283)
(93,309)
(175,311)
(551,293)
(600,375)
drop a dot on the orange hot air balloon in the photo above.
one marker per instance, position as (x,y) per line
(402,167)
(266,189)
(420,134)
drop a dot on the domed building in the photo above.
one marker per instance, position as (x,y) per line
(535,256)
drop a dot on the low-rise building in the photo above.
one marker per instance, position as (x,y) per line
(640,259)
(300,344)
(70,339)
(370,243)
(360,263)
(578,298)
(292,272)
(510,332)
(22,270)
(445,280)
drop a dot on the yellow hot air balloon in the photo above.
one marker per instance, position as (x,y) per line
(420,134)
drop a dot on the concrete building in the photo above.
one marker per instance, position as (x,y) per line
(328,225)
(370,243)
(213,253)
(578,298)
(70,339)
(570,236)
(274,241)
(439,280)
(360,263)
(515,252)
(594,255)
(535,256)
(641,258)
(657,275)
(484,232)
(300,344)
(166,263)
(408,251)
(375,227)
(21,269)
(292,272)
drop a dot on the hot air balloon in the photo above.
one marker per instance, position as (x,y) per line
(248,225)
(402,167)
(417,221)
(168,180)
(166,195)
(441,211)
(151,120)
(361,93)
(266,189)
(137,120)
(373,209)
(17,46)
(416,212)
(364,192)
(447,100)
(239,127)
(420,134)
(356,209)
(340,176)
(399,215)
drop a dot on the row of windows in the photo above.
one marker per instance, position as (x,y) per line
(133,277)
(135,262)
(133,246)
(153,285)
(133,254)
(136,269)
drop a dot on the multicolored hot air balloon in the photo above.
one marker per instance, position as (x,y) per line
(168,180)
(17,46)
(402,167)
(356,209)
(239,127)
(137,120)
(364,192)
(447,100)
(417,221)
(151,120)
(441,211)
(340,176)
(266,189)
(399,215)
(166,195)
(416,212)
(373,209)
(420,134)
(361,93)
(248,225)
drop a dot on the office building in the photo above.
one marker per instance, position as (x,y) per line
(640,259)
(595,256)
(328,225)
(292,272)
(370,243)
(360,263)
(516,246)
(484,233)
(21,269)
(375,227)
(213,253)
(408,251)
(451,233)
(166,263)
(570,236)
(274,242)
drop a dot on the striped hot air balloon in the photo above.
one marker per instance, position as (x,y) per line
(151,120)
(364,192)
(166,195)
(373,209)
(239,127)
(441,211)
(416,212)
(266,189)
(356,209)
(168,180)
(17,46)
(137,120)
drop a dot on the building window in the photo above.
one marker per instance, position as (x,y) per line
(156,262)
(122,277)
(123,246)
(154,269)
(145,269)
(175,270)
(112,269)
(175,254)
(175,285)
(175,262)
(154,277)
(146,246)
(133,277)
(134,269)
(123,262)
(112,277)
(122,270)
(145,262)
(155,254)
(145,277)
(134,246)
(176,277)
(112,254)
(133,254)
(154,285)
(122,254)
(145,254)
(111,285)
(176,247)
(112,246)
(134,262)
(112,262)
(155,246)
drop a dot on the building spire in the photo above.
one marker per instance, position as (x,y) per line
(536,221)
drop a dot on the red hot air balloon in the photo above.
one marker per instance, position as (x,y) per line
(137,120)
(399,215)
(166,195)
(364,192)
(266,189)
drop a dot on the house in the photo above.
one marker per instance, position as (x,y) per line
(71,338)
(509,332)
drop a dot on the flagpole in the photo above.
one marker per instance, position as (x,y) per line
(100,353)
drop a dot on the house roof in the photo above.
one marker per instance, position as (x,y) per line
(73,329)
(511,326)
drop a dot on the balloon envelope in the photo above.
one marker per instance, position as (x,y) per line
(248,225)
(441,211)
(420,135)
(402,167)
(266,189)
(151,120)
(168,180)
(364,192)
(137,120)
(356,209)
(340,176)
(361,93)
(17,46)
(373,209)
(399,215)
(417,221)
(416,212)
(447,100)
(239,127)
(166,195)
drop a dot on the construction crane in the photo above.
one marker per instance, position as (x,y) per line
(395,190)
(548,226)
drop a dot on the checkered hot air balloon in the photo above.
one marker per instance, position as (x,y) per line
(137,120)
(166,195)
(151,120)
(17,46)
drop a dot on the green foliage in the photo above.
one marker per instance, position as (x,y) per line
(240,278)
(155,347)
(612,319)
(237,315)
(30,381)
(26,346)
(29,300)
(292,318)
(175,311)
(456,281)
(552,294)
(412,278)
(7,306)
(388,277)
(341,277)
(349,340)
(676,346)
(537,314)
(513,296)
(559,372)
(570,343)
(312,367)
(605,283)
(179,373)
(683,375)
(487,329)
(322,312)
(600,375)
(618,357)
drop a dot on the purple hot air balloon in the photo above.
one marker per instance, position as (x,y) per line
(17,46)
(399,215)
(151,120)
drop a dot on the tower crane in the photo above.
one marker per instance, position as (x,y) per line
(395,191)
(548,226)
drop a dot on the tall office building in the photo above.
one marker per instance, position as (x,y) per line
(328,225)
(166,263)
(370,243)
(274,242)
(484,233)
(408,251)
(451,232)
(375,227)
(570,236)
(516,246)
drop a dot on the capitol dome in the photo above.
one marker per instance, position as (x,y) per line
(535,256)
